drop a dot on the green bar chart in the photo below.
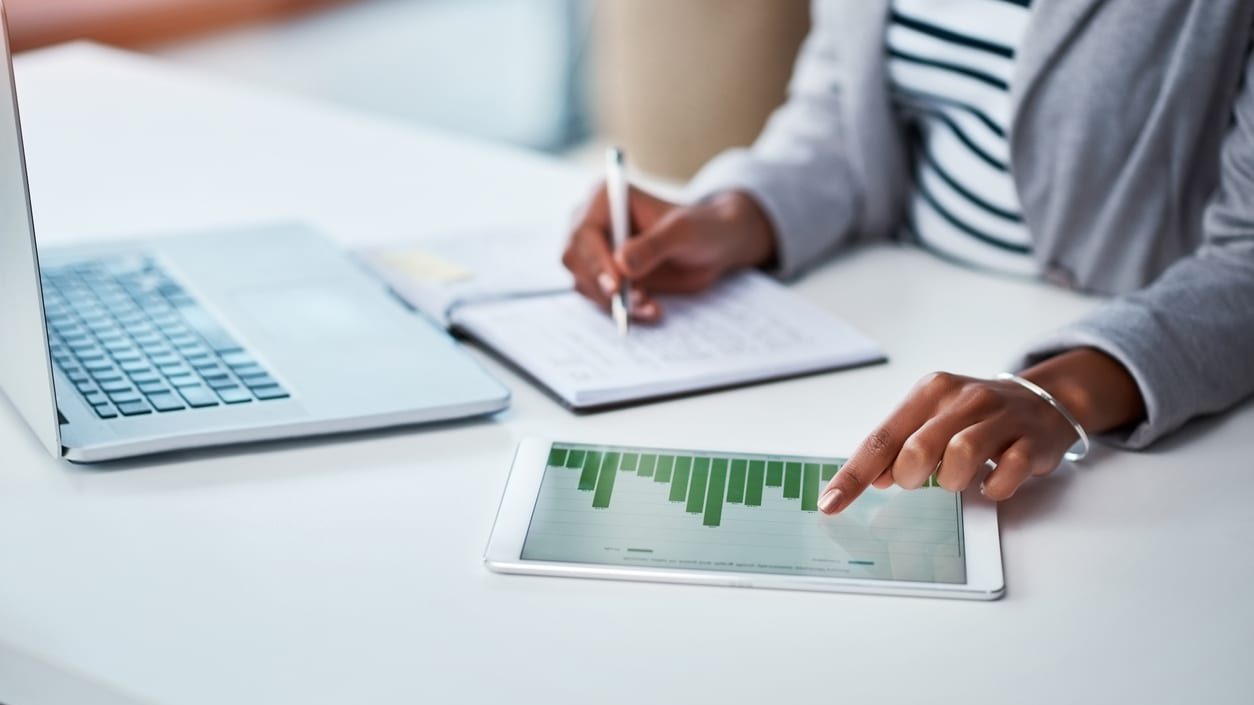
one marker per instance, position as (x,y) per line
(702,484)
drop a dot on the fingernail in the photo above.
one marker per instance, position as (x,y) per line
(830,500)
(607,284)
(642,306)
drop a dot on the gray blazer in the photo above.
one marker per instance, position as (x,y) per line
(1132,150)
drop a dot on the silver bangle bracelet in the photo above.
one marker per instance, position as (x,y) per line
(1071,455)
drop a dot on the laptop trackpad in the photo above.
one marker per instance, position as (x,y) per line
(313,313)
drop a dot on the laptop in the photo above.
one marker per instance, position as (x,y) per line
(249,334)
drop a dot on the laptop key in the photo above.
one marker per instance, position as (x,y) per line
(165,401)
(222,382)
(123,397)
(99,365)
(272,391)
(134,408)
(142,377)
(185,380)
(250,370)
(115,386)
(237,358)
(198,396)
(95,397)
(105,410)
(153,386)
(234,395)
(261,380)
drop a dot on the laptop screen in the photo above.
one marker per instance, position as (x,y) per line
(25,367)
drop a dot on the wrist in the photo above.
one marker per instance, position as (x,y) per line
(1093,386)
(749,219)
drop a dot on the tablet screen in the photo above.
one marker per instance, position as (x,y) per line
(741,513)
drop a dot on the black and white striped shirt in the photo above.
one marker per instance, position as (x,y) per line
(949,65)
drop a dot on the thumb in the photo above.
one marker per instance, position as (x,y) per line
(653,247)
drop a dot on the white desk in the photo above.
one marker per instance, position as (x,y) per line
(349,570)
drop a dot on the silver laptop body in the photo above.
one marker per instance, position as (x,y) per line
(257,333)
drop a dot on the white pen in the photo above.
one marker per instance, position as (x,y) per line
(620,225)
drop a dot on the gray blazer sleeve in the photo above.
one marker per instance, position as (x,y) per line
(799,168)
(1188,338)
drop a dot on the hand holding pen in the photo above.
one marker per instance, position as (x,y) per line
(667,248)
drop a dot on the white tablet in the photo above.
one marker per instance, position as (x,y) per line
(739,519)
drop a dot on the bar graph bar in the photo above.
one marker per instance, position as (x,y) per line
(679,481)
(735,482)
(753,484)
(810,487)
(665,464)
(775,474)
(714,493)
(647,463)
(557,457)
(696,485)
(702,483)
(605,481)
(591,468)
(792,481)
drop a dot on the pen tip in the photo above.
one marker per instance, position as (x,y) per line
(619,312)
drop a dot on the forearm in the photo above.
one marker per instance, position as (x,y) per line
(801,170)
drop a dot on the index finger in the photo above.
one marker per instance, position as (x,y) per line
(874,455)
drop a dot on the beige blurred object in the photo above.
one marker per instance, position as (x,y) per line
(678,81)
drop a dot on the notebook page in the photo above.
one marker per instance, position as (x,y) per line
(748,328)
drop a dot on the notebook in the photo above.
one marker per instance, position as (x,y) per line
(508,292)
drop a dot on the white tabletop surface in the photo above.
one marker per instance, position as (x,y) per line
(349,570)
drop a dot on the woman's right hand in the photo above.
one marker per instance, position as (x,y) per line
(673,249)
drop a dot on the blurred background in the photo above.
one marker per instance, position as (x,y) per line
(675,82)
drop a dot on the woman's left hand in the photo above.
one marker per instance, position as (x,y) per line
(952,425)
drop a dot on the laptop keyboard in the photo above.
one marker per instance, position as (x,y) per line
(134,342)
